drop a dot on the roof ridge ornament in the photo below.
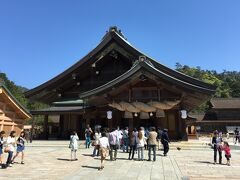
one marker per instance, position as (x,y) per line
(116,30)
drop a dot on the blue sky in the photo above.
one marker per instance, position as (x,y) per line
(40,39)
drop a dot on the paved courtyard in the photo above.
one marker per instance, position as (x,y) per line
(46,160)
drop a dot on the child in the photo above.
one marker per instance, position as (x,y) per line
(2,133)
(226,148)
(20,146)
(74,145)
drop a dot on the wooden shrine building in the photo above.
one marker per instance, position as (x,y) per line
(223,115)
(12,113)
(117,80)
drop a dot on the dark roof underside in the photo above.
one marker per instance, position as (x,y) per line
(150,68)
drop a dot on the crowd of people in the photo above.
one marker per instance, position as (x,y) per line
(133,142)
(8,145)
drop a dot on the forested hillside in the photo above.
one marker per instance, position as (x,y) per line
(18,91)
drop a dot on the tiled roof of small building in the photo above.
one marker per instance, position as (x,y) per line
(225,103)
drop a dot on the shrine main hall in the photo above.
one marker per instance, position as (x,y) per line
(117,85)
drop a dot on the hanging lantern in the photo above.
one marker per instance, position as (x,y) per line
(144,115)
(151,114)
(183,114)
(109,114)
(128,115)
(160,113)
(135,114)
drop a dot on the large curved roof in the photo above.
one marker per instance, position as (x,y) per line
(114,35)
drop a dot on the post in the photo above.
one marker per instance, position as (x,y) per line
(45,128)
(130,124)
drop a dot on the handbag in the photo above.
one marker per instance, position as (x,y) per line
(7,149)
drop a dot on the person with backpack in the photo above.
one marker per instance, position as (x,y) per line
(20,147)
(74,145)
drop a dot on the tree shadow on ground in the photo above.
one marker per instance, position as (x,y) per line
(91,167)
(63,159)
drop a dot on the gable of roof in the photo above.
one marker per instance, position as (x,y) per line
(114,35)
(4,90)
(225,103)
(148,66)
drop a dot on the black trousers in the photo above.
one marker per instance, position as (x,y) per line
(132,151)
(219,154)
(165,147)
(236,139)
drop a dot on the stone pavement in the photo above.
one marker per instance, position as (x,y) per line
(44,162)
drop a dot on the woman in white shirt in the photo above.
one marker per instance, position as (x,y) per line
(97,136)
(74,145)
(104,148)
(140,145)
(11,141)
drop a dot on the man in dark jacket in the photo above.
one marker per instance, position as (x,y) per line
(165,141)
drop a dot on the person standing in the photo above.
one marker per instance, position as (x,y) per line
(88,133)
(140,145)
(125,140)
(113,141)
(159,136)
(74,145)
(152,143)
(97,136)
(132,143)
(236,133)
(227,150)
(104,149)
(216,141)
(11,141)
(2,133)
(146,133)
(20,147)
(165,142)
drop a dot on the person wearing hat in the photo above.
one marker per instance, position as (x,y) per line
(216,142)
(165,142)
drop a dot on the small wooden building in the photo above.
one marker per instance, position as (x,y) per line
(117,85)
(12,113)
(223,114)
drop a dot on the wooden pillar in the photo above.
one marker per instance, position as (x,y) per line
(110,124)
(130,124)
(45,128)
